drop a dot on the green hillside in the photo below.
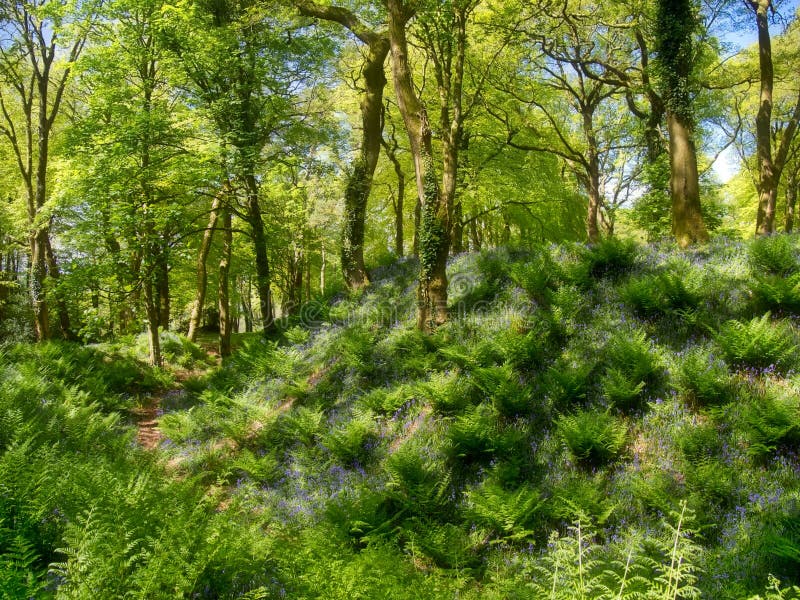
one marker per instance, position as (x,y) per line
(614,421)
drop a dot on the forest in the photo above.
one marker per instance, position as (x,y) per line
(399,299)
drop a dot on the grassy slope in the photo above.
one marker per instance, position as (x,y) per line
(580,407)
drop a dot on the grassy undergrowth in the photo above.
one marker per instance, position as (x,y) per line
(619,421)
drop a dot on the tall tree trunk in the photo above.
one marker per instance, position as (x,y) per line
(770,167)
(359,184)
(417,221)
(153,319)
(263,281)
(767,183)
(592,176)
(434,225)
(225,325)
(457,241)
(202,276)
(38,262)
(687,219)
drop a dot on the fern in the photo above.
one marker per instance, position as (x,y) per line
(758,343)
(593,438)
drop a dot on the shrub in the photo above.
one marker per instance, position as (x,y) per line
(703,378)
(593,438)
(758,343)
(631,367)
(509,396)
(777,292)
(418,483)
(663,293)
(773,254)
(355,441)
(771,420)
(537,276)
(448,393)
(611,257)
(509,514)
(569,383)
(473,435)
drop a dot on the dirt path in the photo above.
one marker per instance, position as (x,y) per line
(146,416)
(147,432)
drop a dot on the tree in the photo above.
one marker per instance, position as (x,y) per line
(435,222)
(359,181)
(250,67)
(34,75)
(676,24)
(770,167)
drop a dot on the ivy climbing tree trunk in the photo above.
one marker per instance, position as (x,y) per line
(676,23)
(359,182)
(434,225)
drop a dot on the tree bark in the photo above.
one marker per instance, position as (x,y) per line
(434,225)
(398,203)
(359,183)
(202,276)
(767,184)
(263,276)
(38,269)
(687,220)
(791,201)
(770,167)
(225,324)
(61,304)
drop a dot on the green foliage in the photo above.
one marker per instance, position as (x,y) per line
(473,436)
(759,343)
(509,514)
(703,378)
(777,292)
(773,255)
(663,293)
(537,276)
(355,441)
(594,438)
(770,421)
(612,257)
(418,482)
(502,385)
(632,365)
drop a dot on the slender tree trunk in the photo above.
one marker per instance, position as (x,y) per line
(791,201)
(417,220)
(225,324)
(398,203)
(458,229)
(153,319)
(164,299)
(434,225)
(202,276)
(687,219)
(263,277)
(592,177)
